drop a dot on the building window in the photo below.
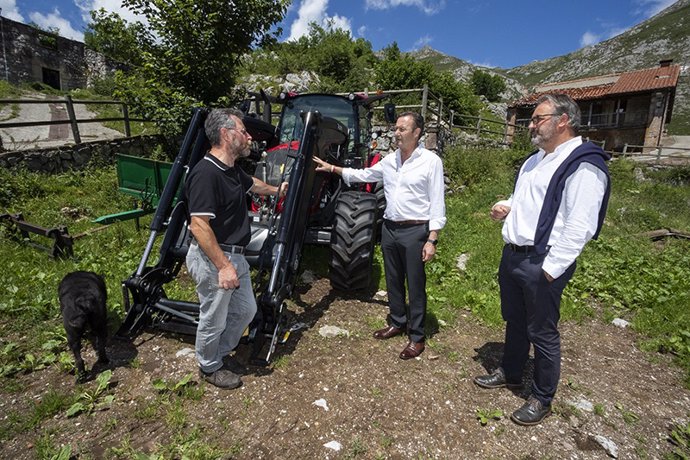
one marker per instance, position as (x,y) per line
(51,77)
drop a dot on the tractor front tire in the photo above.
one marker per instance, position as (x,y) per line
(352,241)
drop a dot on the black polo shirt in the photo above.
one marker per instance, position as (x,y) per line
(213,189)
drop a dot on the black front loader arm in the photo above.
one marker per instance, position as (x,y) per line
(144,295)
(145,285)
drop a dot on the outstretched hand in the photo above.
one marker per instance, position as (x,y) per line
(322,166)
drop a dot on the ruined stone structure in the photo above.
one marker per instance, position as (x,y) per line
(33,55)
(60,159)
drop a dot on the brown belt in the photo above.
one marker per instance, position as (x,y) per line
(407,222)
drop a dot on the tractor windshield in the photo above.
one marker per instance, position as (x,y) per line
(328,105)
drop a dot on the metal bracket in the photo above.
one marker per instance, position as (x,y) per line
(62,240)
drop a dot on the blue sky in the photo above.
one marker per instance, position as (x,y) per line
(496,33)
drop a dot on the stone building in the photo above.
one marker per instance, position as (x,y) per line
(626,108)
(30,54)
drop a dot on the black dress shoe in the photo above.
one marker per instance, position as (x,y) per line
(388,332)
(412,350)
(497,379)
(531,413)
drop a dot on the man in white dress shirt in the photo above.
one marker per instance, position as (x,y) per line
(415,212)
(558,205)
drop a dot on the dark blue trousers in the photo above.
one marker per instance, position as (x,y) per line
(530,306)
(402,259)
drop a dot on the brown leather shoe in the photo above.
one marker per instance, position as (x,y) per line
(388,332)
(412,350)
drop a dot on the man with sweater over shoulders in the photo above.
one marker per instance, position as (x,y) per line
(558,204)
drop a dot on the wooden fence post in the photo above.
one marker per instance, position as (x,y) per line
(479,126)
(72,119)
(625,150)
(425,97)
(125,115)
(440,111)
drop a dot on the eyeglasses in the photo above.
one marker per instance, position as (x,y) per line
(243,131)
(535,120)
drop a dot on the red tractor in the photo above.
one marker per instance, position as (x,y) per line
(318,209)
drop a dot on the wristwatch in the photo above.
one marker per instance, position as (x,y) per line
(434,242)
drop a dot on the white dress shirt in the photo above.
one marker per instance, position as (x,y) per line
(578,215)
(414,189)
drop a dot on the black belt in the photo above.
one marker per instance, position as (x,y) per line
(232,249)
(229,248)
(407,222)
(521,249)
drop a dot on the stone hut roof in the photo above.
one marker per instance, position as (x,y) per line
(638,81)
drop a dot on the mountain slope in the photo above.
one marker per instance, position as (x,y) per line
(462,70)
(663,36)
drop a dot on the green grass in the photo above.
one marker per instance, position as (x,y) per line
(9,91)
(623,274)
(51,404)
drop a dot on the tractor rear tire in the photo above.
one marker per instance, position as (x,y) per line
(380,208)
(352,241)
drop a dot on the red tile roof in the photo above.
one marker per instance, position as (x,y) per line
(645,80)
(578,94)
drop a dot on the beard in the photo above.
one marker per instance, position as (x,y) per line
(541,135)
(536,139)
(243,148)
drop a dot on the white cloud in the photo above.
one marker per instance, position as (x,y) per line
(362,31)
(589,38)
(427,6)
(422,41)
(315,11)
(113,6)
(55,20)
(10,10)
(651,7)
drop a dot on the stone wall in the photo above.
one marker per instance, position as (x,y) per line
(59,159)
(34,55)
(383,139)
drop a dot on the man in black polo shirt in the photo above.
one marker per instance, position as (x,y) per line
(216,195)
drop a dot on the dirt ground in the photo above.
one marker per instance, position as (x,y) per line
(378,406)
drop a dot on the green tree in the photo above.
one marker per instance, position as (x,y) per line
(402,71)
(342,63)
(116,39)
(195,55)
(490,86)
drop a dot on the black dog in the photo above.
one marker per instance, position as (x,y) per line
(82,302)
